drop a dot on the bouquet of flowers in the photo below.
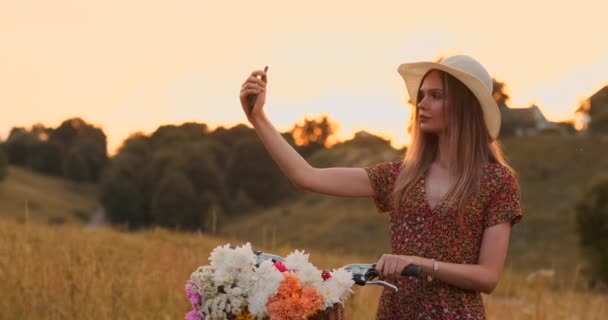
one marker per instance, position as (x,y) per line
(235,286)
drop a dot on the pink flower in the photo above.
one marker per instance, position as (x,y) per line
(193,296)
(193,315)
(281,267)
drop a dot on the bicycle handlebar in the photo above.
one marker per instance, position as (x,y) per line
(362,273)
(366,274)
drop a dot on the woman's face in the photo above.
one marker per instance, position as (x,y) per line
(433,101)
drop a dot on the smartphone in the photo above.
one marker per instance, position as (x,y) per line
(254,97)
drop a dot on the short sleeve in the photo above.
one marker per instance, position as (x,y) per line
(504,204)
(382,177)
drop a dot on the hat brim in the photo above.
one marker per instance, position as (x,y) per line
(413,73)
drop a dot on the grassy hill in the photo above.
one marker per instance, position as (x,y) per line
(71,272)
(553,171)
(39,198)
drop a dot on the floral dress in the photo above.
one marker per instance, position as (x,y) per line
(419,230)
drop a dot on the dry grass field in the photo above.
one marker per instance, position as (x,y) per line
(74,272)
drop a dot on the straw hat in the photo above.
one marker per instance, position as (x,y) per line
(466,69)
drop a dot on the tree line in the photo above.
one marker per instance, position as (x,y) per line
(174,177)
(180,175)
(75,150)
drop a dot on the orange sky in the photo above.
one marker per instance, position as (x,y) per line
(134,65)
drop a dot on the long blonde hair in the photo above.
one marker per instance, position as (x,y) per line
(470,147)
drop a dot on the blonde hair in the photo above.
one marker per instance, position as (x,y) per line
(470,147)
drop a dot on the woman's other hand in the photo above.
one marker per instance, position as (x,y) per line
(391,265)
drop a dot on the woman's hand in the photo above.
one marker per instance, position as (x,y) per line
(393,265)
(254,86)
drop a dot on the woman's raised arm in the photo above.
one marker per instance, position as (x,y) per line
(345,182)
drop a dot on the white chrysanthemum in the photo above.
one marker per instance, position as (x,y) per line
(245,280)
(246,253)
(202,275)
(266,279)
(329,292)
(235,292)
(229,263)
(309,275)
(203,281)
(209,291)
(343,277)
(221,274)
(337,288)
(221,304)
(231,270)
(296,260)
(214,307)
(218,254)
(237,301)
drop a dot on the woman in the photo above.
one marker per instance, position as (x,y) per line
(452,200)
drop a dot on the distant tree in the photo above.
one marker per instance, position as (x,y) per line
(76,135)
(121,192)
(93,154)
(68,131)
(241,202)
(592,226)
(229,136)
(3,163)
(176,204)
(75,167)
(45,149)
(159,163)
(499,93)
(122,183)
(196,160)
(313,134)
(137,145)
(200,162)
(46,157)
(255,173)
(169,134)
(18,146)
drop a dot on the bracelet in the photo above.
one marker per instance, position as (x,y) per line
(435,269)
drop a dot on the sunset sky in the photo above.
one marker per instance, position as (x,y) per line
(131,66)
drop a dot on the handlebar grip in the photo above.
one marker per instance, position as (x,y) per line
(412,271)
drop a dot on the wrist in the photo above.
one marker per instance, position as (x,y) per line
(430,267)
(425,264)
(256,118)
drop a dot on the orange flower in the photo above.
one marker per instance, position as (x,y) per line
(293,302)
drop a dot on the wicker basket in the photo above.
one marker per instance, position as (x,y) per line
(336,312)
